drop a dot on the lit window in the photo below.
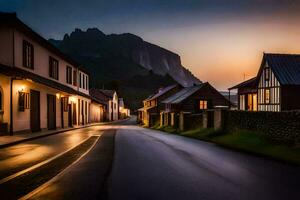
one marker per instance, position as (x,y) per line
(203,105)
(23,101)
(267,96)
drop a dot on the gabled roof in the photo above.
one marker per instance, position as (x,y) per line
(99,96)
(108,93)
(286,67)
(160,92)
(182,94)
(251,83)
(12,20)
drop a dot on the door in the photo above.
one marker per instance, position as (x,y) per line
(69,115)
(51,111)
(35,124)
(74,114)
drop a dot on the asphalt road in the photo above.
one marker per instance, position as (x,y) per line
(130,162)
(153,165)
(27,154)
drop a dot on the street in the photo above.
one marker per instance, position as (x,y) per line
(125,161)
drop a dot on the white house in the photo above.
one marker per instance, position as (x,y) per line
(40,87)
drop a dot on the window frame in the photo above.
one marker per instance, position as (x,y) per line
(69,74)
(267,73)
(53,68)
(28,55)
(74,77)
(267,97)
(203,104)
(23,101)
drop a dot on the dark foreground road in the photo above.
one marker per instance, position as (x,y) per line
(129,162)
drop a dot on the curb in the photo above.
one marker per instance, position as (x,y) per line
(57,132)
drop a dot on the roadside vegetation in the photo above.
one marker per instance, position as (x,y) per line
(242,140)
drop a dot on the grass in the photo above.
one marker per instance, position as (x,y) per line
(242,140)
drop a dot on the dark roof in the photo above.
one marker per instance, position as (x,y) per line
(11,19)
(183,94)
(99,96)
(20,73)
(248,83)
(108,93)
(160,92)
(286,67)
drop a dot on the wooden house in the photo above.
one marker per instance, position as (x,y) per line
(150,113)
(275,88)
(191,100)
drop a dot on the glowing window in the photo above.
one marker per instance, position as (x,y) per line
(267,96)
(203,105)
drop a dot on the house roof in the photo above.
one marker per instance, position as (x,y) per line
(160,92)
(99,96)
(286,67)
(20,73)
(183,94)
(12,20)
(108,93)
(248,83)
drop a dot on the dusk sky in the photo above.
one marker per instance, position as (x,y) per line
(218,40)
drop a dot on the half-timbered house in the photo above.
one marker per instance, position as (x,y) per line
(275,88)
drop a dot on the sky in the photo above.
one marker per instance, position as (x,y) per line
(220,41)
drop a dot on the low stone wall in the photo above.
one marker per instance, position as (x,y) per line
(278,126)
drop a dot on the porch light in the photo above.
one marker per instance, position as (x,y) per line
(58,96)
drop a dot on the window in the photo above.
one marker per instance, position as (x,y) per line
(242,102)
(23,101)
(53,68)
(69,75)
(83,81)
(75,78)
(80,81)
(267,96)
(87,83)
(28,55)
(267,73)
(64,101)
(203,105)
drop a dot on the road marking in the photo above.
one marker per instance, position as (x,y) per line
(4,180)
(52,180)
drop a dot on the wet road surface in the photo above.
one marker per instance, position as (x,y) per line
(148,164)
(154,165)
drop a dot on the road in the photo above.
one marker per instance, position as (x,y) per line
(130,162)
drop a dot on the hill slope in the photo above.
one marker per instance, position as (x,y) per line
(125,62)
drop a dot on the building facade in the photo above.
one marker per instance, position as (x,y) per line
(149,115)
(40,87)
(110,100)
(191,100)
(275,88)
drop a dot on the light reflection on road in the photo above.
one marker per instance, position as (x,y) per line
(21,156)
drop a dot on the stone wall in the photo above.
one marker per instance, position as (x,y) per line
(278,126)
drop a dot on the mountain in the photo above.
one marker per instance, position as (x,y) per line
(125,62)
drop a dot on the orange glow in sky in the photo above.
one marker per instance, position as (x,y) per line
(226,53)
